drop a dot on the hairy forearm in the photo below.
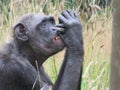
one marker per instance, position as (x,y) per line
(72,72)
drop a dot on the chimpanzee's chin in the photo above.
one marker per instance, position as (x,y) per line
(56,50)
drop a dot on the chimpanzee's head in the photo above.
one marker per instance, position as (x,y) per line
(39,32)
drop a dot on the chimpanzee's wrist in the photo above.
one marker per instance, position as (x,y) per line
(78,51)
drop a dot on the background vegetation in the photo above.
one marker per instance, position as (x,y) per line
(96,18)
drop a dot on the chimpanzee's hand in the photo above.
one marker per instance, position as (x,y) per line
(73,30)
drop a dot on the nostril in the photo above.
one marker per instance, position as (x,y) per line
(54,29)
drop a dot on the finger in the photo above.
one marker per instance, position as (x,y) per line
(62,19)
(60,25)
(63,38)
(66,14)
(75,14)
(61,35)
(71,13)
(61,32)
(58,28)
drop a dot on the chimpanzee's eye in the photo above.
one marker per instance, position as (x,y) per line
(42,25)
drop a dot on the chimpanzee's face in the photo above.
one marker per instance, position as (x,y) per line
(43,36)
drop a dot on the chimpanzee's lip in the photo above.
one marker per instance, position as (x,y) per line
(58,41)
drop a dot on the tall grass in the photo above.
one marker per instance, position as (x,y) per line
(96,31)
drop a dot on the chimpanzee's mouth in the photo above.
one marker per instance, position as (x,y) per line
(56,38)
(58,41)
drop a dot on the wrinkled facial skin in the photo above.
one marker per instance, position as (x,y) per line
(43,37)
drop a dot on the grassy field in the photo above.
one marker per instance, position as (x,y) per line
(96,31)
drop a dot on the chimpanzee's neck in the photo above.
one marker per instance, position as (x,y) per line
(27,52)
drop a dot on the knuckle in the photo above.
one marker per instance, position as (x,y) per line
(74,22)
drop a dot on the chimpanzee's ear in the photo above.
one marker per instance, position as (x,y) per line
(20,32)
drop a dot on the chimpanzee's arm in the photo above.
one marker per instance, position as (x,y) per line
(69,77)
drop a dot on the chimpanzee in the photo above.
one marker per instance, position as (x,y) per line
(36,38)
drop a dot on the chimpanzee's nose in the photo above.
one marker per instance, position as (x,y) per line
(58,30)
(54,29)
